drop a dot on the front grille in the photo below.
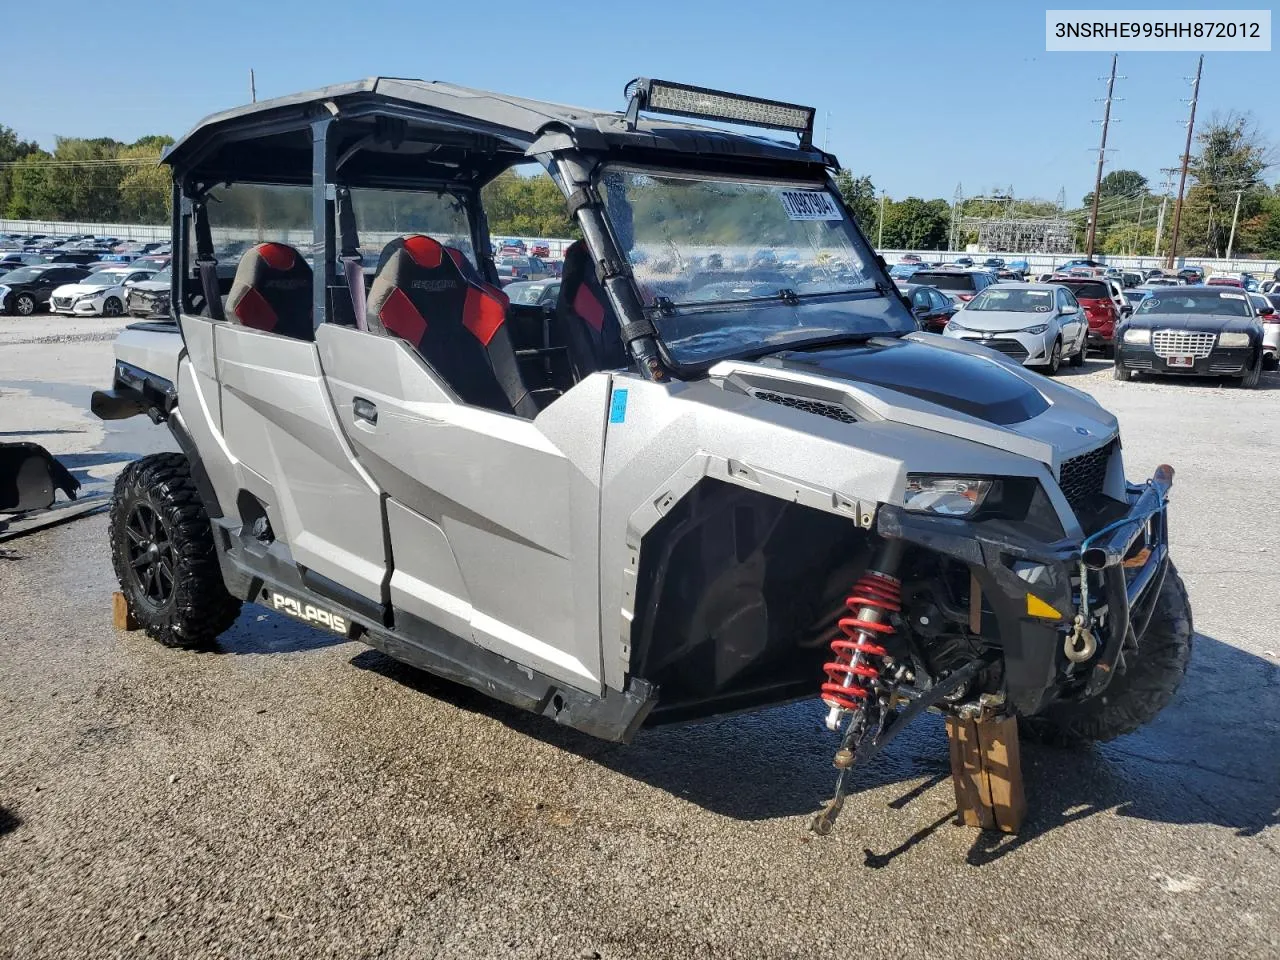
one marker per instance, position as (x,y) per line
(1226,366)
(1183,343)
(61,303)
(1137,364)
(1083,477)
(832,411)
(1010,348)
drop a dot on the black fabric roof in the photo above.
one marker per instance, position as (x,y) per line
(515,121)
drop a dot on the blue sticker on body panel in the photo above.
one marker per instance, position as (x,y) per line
(618,407)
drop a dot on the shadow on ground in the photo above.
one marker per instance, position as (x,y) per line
(1208,759)
(9,821)
(260,631)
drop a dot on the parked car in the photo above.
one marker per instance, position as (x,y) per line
(27,290)
(155,261)
(1225,282)
(910,258)
(99,294)
(903,272)
(994,264)
(930,306)
(80,257)
(533,292)
(149,297)
(1164,280)
(959,285)
(1267,307)
(964,261)
(1210,331)
(1104,305)
(540,250)
(1131,278)
(11,261)
(1192,274)
(1250,282)
(1036,324)
(512,268)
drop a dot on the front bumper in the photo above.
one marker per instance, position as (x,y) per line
(1221,361)
(1029,349)
(1107,584)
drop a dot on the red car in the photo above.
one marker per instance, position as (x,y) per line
(1225,282)
(1100,306)
(540,250)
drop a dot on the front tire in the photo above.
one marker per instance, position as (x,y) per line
(1055,359)
(164,557)
(1119,371)
(112,307)
(24,305)
(1144,688)
(1077,358)
(1251,378)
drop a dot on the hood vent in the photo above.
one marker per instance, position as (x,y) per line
(832,411)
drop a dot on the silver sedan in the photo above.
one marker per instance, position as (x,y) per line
(1036,324)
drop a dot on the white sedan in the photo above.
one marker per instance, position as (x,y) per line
(100,294)
(1036,324)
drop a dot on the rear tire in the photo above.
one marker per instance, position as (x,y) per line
(1145,687)
(1055,359)
(112,307)
(1119,371)
(1077,358)
(164,557)
(24,305)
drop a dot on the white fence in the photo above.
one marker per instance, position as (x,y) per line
(1045,262)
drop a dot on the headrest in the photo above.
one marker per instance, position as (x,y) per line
(272,291)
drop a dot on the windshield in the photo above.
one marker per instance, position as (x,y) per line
(1013,301)
(524,292)
(946,281)
(22,275)
(164,276)
(738,265)
(103,279)
(1087,290)
(1197,302)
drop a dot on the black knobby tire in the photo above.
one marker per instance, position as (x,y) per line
(1137,694)
(164,557)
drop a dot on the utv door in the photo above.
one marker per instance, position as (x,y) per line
(263,402)
(493,519)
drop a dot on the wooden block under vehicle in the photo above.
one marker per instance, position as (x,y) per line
(121,615)
(986,771)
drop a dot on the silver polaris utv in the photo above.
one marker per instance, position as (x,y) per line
(724,470)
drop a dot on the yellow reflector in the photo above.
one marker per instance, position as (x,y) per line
(1038,608)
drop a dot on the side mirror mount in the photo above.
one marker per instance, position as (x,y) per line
(920,309)
(1126,310)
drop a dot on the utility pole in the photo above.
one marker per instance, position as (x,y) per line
(253,88)
(1234,217)
(1186,160)
(1159,226)
(1133,247)
(880,232)
(1102,156)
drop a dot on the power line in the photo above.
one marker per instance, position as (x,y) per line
(100,162)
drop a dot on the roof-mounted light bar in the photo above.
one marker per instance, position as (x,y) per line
(683,100)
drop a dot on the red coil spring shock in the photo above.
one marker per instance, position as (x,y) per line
(852,675)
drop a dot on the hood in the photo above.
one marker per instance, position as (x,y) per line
(939,384)
(151,286)
(997,321)
(1186,321)
(962,382)
(77,290)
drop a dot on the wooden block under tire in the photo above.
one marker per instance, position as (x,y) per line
(986,772)
(121,615)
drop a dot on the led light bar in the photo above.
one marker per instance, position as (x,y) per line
(683,100)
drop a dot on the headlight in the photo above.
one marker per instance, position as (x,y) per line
(953,325)
(1233,339)
(948,496)
(1137,336)
(1038,328)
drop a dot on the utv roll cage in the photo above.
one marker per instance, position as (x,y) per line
(393,133)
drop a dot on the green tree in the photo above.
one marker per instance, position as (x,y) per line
(860,195)
(526,206)
(915,224)
(11,150)
(1231,157)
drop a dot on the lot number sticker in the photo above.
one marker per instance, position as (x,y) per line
(810,205)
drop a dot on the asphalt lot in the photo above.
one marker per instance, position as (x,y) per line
(294,796)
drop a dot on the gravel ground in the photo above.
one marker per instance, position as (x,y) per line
(295,796)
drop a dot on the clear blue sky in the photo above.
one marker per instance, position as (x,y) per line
(921,95)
